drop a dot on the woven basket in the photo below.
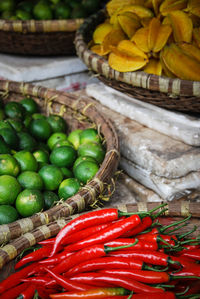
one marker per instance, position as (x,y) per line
(172,94)
(78,114)
(176,210)
(49,37)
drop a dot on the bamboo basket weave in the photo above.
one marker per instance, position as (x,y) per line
(47,37)
(78,113)
(176,211)
(172,94)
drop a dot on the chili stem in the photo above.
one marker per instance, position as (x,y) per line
(108,249)
(176,228)
(188,233)
(175,223)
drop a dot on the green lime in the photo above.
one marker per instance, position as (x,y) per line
(30,180)
(22,15)
(43,146)
(29,202)
(56,137)
(62,11)
(5,124)
(41,156)
(14,110)
(42,11)
(63,156)
(68,188)
(27,120)
(10,137)
(7,5)
(62,143)
(67,173)
(29,105)
(9,189)
(26,142)
(4,148)
(16,124)
(89,135)
(9,165)
(38,116)
(93,150)
(81,159)
(85,171)
(2,114)
(8,214)
(57,123)
(40,129)
(26,160)
(50,198)
(52,177)
(74,138)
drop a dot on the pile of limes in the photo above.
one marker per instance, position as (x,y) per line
(47,9)
(39,163)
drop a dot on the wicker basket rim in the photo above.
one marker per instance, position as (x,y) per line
(173,86)
(34,26)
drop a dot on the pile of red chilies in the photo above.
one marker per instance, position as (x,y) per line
(110,254)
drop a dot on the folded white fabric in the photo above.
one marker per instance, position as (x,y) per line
(167,189)
(176,125)
(29,69)
(161,163)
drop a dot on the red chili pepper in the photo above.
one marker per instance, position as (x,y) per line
(15,278)
(34,256)
(147,256)
(84,221)
(159,239)
(49,241)
(184,261)
(44,293)
(126,241)
(85,254)
(44,281)
(92,294)
(165,295)
(68,284)
(88,278)
(57,258)
(140,275)
(192,271)
(107,263)
(27,293)
(146,223)
(116,297)
(128,284)
(84,233)
(14,292)
(107,234)
(150,277)
(94,218)
(194,254)
(188,247)
(194,287)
